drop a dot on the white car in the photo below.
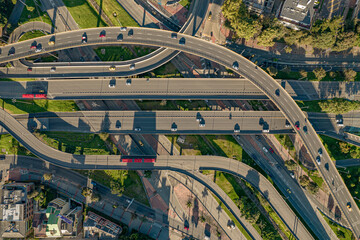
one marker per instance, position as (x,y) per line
(265,150)
(138,129)
(111,85)
(132,67)
(237,130)
(318,160)
(201,124)
(173,129)
(128,82)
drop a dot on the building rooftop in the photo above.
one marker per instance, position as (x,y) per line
(101,224)
(298,12)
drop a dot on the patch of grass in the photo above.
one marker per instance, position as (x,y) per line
(351,177)
(9,145)
(185,3)
(273,215)
(83,13)
(33,13)
(313,174)
(33,106)
(133,187)
(119,53)
(339,150)
(241,228)
(285,141)
(116,13)
(288,75)
(152,105)
(75,143)
(165,71)
(341,232)
(257,105)
(229,185)
(31,35)
(194,105)
(194,145)
(336,105)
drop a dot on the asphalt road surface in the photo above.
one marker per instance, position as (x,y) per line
(173,88)
(221,55)
(186,164)
(186,122)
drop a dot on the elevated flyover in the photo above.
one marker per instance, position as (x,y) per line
(174,88)
(216,53)
(185,122)
(186,164)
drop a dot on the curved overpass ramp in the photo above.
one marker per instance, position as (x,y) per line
(190,164)
(223,56)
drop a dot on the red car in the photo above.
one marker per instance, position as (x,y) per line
(271,150)
(32,47)
(186,228)
(297,126)
(29,69)
(102,35)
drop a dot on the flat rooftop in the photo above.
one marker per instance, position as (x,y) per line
(298,12)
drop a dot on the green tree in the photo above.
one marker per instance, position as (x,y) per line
(304,180)
(116,188)
(47,176)
(349,75)
(272,71)
(240,20)
(288,49)
(313,187)
(303,73)
(291,165)
(86,191)
(345,41)
(189,203)
(320,73)
(95,197)
(344,147)
(5,10)
(269,34)
(294,37)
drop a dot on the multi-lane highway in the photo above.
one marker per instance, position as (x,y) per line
(185,122)
(173,88)
(216,53)
(187,164)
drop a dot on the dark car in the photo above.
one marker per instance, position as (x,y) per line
(186,225)
(271,150)
(174,35)
(2,157)
(131,33)
(182,41)
(120,37)
(305,129)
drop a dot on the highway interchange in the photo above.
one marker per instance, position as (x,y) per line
(223,56)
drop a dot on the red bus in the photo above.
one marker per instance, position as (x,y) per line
(149,160)
(127,160)
(28,95)
(40,95)
(138,160)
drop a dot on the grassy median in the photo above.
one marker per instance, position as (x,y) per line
(32,13)
(31,35)
(84,14)
(34,106)
(116,13)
